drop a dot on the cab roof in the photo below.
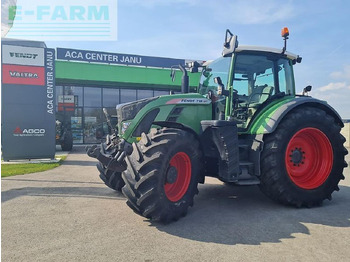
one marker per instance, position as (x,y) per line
(245,48)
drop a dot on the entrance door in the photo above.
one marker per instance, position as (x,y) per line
(76,121)
(92,124)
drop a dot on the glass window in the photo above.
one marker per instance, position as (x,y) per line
(285,76)
(110,97)
(218,68)
(113,118)
(161,92)
(76,123)
(255,83)
(144,94)
(127,95)
(112,111)
(92,125)
(59,92)
(92,97)
(253,74)
(74,93)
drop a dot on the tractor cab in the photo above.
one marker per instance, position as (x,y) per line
(250,78)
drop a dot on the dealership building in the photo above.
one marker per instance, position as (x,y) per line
(87,81)
(41,85)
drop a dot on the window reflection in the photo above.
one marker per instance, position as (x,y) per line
(81,108)
(110,97)
(161,93)
(144,94)
(92,96)
(92,124)
(127,95)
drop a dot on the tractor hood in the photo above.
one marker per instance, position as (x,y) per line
(137,117)
(128,111)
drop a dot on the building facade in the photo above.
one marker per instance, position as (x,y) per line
(88,81)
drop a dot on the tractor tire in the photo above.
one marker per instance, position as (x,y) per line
(303,159)
(112,179)
(162,175)
(67,143)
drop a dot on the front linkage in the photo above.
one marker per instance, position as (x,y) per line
(111,156)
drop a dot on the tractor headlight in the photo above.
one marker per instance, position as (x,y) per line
(125,126)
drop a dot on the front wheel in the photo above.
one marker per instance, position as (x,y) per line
(303,160)
(112,179)
(162,175)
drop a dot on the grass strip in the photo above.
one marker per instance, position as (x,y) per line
(21,169)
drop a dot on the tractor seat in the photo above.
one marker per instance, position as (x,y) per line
(259,95)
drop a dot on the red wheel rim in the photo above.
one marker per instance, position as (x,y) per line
(175,191)
(309,158)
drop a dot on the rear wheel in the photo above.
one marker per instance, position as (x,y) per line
(303,160)
(162,175)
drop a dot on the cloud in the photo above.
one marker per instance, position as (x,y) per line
(334,86)
(337,93)
(344,74)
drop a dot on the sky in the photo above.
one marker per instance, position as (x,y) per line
(194,29)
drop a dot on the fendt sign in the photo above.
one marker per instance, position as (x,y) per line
(28,100)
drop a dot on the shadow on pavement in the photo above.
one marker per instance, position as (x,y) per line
(243,215)
(52,181)
(83,192)
(69,162)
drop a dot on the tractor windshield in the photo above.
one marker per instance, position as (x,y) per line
(218,68)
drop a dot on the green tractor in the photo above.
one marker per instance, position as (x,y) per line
(245,126)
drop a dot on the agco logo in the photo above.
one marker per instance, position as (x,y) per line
(29,132)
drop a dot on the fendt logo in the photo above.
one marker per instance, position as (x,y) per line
(23,74)
(23,55)
(29,132)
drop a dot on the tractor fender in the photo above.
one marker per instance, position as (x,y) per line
(274,118)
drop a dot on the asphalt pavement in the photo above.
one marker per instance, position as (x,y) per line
(68,214)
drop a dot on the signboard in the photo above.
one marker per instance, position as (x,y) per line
(23,75)
(116,58)
(66,103)
(21,55)
(28,101)
(76,122)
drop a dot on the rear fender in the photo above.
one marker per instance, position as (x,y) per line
(268,121)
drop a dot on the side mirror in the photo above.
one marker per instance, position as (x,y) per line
(194,65)
(221,88)
(230,43)
(172,74)
(307,89)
